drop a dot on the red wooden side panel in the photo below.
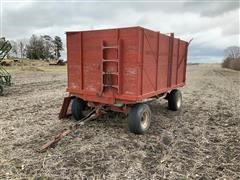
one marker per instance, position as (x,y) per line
(174,63)
(92,57)
(74,61)
(129,60)
(172,70)
(163,61)
(182,62)
(86,67)
(149,61)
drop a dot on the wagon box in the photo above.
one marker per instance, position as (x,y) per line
(123,68)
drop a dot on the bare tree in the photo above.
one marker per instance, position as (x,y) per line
(232,59)
(21,48)
(14,50)
(232,52)
(48,47)
(22,43)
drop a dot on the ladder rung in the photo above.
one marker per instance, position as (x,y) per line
(114,73)
(110,47)
(114,86)
(110,60)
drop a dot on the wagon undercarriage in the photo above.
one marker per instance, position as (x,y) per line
(139,114)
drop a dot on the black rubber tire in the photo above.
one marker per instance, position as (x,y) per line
(1,90)
(78,106)
(136,116)
(175,100)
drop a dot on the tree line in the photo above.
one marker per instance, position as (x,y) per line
(42,47)
(232,59)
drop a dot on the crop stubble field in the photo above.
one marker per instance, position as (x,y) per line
(202,141)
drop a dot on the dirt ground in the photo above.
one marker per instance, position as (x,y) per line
(202,141)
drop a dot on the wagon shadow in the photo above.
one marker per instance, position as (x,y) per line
(112,120)
(161,118)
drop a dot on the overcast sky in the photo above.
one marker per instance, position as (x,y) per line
(214,25)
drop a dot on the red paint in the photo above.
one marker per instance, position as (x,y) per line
(124,64)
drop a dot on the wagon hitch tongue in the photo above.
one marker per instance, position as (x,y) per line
(95,113)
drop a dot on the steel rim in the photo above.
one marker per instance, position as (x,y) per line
(179,102)
(145,120)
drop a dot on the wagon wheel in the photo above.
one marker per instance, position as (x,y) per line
(139,119)
(1,90)
(175,100)
(77,108)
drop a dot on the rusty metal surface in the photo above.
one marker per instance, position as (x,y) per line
(95,113)
(53,143)
(64,110)
(144,64)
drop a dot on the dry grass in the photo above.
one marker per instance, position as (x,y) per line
(199,142)
(33,66)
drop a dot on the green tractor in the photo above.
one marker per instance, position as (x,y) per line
(5,77)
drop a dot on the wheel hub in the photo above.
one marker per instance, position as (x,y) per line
(145,120)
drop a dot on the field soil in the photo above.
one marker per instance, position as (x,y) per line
(201,141)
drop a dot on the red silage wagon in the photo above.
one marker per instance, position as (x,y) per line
(122,69)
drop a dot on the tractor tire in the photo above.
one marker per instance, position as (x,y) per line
(77,108)
(1,90)
(175,100)
(139,119)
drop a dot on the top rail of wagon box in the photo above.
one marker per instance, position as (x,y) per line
(94,30)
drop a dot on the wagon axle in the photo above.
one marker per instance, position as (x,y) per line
(139,114)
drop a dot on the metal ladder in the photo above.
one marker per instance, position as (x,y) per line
(108,75)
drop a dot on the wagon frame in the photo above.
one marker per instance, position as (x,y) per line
(122,69)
